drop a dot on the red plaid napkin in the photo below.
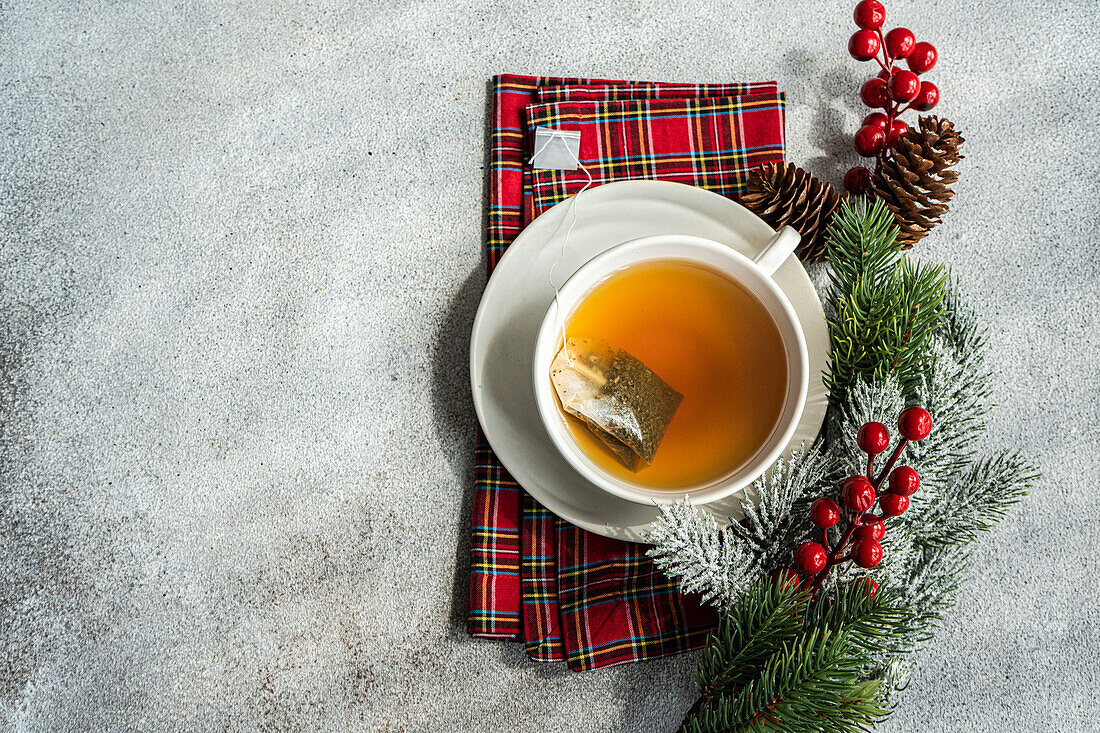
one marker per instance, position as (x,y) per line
(591,600)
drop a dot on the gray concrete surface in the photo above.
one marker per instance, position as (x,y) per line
(241,252)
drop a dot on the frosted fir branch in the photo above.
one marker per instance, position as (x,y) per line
(722,563)
(955,390)
(934,577)
(960,327)
(976,500)
(926,550)
(866,402)
(895,676)
(772,525)
(954,394)
(690,547)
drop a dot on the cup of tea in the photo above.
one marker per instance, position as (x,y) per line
(714,326)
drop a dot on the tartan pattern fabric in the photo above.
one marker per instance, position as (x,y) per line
(613,92)
(616,607)
(542,637)
(494,610)
(495,588)
(569,594)
(711,143)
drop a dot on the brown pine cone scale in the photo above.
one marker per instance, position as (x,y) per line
(915,180)
(782,194)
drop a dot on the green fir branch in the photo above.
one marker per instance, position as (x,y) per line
(870,620)
(769,616)
(761,669)
(886,307)
(812,684)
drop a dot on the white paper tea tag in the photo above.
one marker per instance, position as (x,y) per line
(556,149)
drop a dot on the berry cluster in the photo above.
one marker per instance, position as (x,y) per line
(893,91)
(863,530)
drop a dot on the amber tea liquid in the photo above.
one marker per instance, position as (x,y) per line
(713,342)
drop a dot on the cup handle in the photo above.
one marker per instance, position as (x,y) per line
(777,250)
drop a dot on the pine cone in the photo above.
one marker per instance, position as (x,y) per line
(784,194)
(914,181)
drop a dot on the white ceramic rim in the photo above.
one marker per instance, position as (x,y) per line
(649,249)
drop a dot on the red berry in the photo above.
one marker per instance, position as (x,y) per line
(900,42)
(904,481)
(923,57)
(898,129)
(915,423)
(877,119)
(869,141)
(927,98)
(873,92)
(863,45)
(867,553)
(869,582)
(824,513)
(876,530)
(873,438)
(857,180)
(903,86)
(786,577)
(885,74)
(893,505)
(858,494)
(810,557)
(869,14)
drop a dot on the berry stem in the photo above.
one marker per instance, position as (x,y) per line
(870,466)
(834,557)
(882,45)
(891,115)
(890,464)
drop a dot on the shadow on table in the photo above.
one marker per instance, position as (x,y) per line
(832,94)
(452,404)
(454,410)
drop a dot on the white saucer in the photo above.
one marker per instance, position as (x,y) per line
(515,302)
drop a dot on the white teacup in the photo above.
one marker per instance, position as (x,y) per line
(752,274)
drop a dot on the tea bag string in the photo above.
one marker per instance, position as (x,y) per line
(568,232)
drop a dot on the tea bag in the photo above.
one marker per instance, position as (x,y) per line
(621,400)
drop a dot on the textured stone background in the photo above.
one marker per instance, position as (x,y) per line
(241,252)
